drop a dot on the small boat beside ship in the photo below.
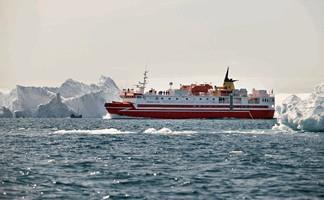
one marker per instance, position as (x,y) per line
(194,101)
(75,116)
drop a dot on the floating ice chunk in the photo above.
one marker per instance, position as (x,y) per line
(282,128)
(237,152)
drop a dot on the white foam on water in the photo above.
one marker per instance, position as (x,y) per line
(250,131)
(107,116)
(257,131)
(167,131)
(109,131)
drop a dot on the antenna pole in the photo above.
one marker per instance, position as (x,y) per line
(142,85)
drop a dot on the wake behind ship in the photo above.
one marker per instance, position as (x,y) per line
(195,101)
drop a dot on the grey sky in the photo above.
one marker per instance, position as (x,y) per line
(275,44)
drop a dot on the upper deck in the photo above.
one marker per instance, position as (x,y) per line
(200,94)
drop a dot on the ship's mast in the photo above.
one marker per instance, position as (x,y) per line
(142,85)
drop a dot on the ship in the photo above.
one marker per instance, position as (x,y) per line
(193,101)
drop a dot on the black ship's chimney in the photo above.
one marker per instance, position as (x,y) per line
(228,79)
(226,76)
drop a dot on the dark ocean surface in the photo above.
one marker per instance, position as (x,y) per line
(158,159)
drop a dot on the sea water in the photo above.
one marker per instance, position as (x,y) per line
(158,159)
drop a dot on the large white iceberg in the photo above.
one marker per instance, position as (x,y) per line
(29,98)
(303,114)
(92,104)
(79,97)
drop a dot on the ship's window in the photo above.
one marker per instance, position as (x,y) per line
(162,98)
(213,99)
(206,98)
(157,98)
(176,98)
(187,99)
(200,98)
(169,98)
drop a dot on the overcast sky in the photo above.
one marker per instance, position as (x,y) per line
(268,44)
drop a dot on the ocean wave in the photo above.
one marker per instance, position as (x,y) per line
(256,131)
(109,131)
(168,131)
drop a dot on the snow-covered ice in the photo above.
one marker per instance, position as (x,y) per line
(79,97)
(55,108)
(303,114)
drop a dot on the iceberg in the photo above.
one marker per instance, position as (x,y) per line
(55,108)
(92,104)
(29,98)
(80,98)
(88,105)
(7,99)
(72,88)
(303,114)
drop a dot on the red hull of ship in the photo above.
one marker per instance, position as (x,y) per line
(128,110)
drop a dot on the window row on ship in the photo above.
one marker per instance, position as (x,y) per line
(200,106)
(224,100)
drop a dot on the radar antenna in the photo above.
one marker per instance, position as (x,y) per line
(142,85)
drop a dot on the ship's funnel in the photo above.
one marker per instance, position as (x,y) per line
(228,79)
(226,76)
(228,82)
